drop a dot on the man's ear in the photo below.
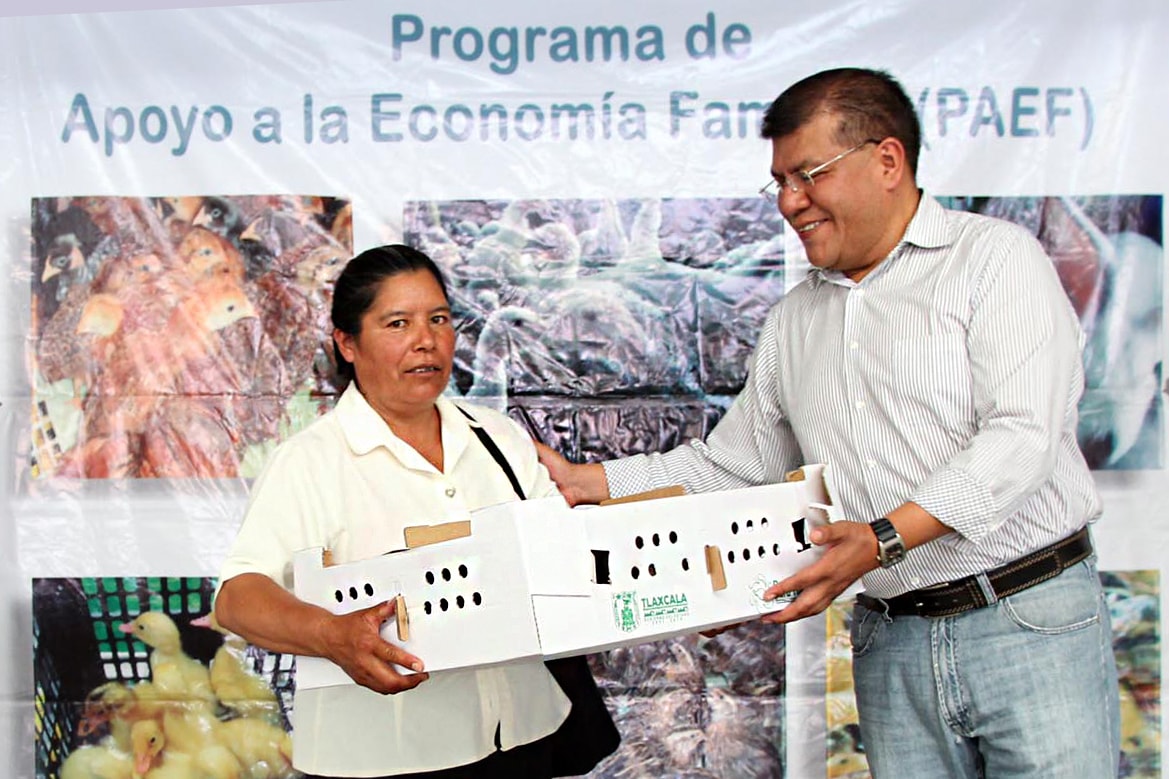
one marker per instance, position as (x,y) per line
(893,162)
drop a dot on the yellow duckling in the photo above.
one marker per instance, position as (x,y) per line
(159,632)
(155,759)
(97,762)
(264,749)
(235,685)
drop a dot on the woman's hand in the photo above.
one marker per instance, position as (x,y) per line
(353,642)
(265,614)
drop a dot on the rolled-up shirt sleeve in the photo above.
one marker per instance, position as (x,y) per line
(1024,344)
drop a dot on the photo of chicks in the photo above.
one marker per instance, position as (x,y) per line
(605,326)
(205,316)
(1134,605)
(133,679)
(131,674)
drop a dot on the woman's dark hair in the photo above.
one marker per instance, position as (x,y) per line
(869,103)
(359,282)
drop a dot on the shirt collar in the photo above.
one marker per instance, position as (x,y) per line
(365,430)
(929,228)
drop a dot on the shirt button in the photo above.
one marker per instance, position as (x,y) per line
(854,345)
(871,463)
(450,492)
(860,404)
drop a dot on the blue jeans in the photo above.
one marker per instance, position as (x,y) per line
(1025,687)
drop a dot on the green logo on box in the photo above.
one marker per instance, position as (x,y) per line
(672,607)
(625,611)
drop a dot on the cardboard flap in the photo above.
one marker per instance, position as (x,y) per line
(673,491)
(421,535)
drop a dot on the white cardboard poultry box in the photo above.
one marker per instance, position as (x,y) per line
(537,579)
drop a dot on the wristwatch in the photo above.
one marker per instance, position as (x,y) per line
(890,546)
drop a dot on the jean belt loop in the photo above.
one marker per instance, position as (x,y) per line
(880,606)
(987,590)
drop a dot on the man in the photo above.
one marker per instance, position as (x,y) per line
(933,360)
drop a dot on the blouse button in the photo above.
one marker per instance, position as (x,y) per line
(450,492)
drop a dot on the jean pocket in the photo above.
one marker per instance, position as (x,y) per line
(865,629)
(1070,601)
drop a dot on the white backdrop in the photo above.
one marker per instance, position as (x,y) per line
(1056,98)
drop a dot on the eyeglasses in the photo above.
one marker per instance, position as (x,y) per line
(800,179)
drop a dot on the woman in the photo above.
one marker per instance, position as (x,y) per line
(393,453)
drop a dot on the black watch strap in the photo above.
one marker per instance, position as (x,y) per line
(890,546)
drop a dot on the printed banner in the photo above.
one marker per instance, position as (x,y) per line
(182,187)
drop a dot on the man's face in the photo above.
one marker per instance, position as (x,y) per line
(843,219)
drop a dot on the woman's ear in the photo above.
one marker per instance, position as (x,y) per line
(344,343)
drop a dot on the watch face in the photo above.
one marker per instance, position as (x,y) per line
(892,552)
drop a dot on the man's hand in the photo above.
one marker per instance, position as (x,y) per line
(354,643)
(577,483)
(851,552)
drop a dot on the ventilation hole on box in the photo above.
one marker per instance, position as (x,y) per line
(368,588)
(460,602)
(673,537)
(427,607)
(730,557)
(353,593)
(746,554)
(775,548)
(477,599)
(653,571)
(734,527)
(339,596)
(639,542)
(635,573)
(657,540)
(446,574)
(430,577)
(442,604)
(750,524)
(463,571)
(762,551)
(685,564)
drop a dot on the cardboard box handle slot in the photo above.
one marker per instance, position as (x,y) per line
(601,566)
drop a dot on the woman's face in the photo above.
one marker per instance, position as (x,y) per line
(404,353)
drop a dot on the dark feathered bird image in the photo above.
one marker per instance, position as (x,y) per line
(67,256)
(220,215)
(294,298)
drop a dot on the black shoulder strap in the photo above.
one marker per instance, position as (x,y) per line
(490,446)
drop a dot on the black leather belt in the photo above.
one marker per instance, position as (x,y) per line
(950,598)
